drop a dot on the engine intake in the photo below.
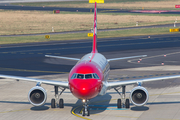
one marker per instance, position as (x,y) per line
(139,96)
(37,96)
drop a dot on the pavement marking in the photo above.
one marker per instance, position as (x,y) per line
(25,70)
(165,93)
(107,10)
(47,49)
(139,43)
(29,53)
(109,108)
(15,111)
(127,117)
(73,111)
(98,46)
(81,110)
(27,110)
(78,115)
(161,55)
(165,119)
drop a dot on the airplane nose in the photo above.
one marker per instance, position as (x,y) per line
(84,89)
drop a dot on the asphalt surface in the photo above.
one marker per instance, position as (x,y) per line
(23,1)
(29,60)
(101,10)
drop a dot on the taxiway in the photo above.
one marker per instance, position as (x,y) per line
(29,60)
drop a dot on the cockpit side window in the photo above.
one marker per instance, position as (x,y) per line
(74,76)
(95,76)
(80,76)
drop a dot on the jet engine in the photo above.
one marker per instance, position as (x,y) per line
(139,96)
(37,96)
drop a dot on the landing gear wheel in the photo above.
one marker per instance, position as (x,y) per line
(127,103)
(119,103)
(83,112)
(61,103)
(53,103)
(88,112)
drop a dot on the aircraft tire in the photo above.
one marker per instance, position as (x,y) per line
(83,112)
(127,105)
(53,103)
(119,103)
(61,103)
(88,112)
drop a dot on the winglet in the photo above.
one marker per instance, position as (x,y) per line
(94,47)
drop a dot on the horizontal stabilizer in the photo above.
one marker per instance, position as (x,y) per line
(122,58)
(60,57)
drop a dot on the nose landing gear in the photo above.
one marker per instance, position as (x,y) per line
(86,109)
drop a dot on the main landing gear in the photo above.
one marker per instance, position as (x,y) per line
(55,102)
(86,109)
(122,103)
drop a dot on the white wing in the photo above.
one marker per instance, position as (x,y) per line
(122,58)
(60,57)
(48,82)
(139,81)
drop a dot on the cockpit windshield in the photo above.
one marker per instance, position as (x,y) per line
(85,76)
(81,76)
(88,76)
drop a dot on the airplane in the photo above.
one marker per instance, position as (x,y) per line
(88,79)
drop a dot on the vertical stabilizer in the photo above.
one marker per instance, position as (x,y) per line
(94,47)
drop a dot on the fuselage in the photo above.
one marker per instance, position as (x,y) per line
(87,76)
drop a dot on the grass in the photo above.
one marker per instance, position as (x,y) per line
(113,4)
(28,22)
(79,36)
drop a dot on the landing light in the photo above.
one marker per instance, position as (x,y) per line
(83,100)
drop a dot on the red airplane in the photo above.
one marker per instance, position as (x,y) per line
(87,79)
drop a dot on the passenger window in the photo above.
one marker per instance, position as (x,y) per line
(87,76)
(81,76)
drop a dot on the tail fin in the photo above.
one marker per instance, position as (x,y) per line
(94,47)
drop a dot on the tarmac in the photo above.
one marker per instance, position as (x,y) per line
(164,96)
(164,100)
(163,104)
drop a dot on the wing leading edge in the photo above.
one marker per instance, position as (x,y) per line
(48,82)
(139,81)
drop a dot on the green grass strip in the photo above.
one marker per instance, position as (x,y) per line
(79,36)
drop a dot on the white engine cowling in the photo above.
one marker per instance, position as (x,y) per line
(37,96)
(139,96)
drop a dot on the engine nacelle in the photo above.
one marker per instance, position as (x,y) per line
(37,96)
(139,96)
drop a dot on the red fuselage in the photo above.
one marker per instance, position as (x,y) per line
(87,76)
